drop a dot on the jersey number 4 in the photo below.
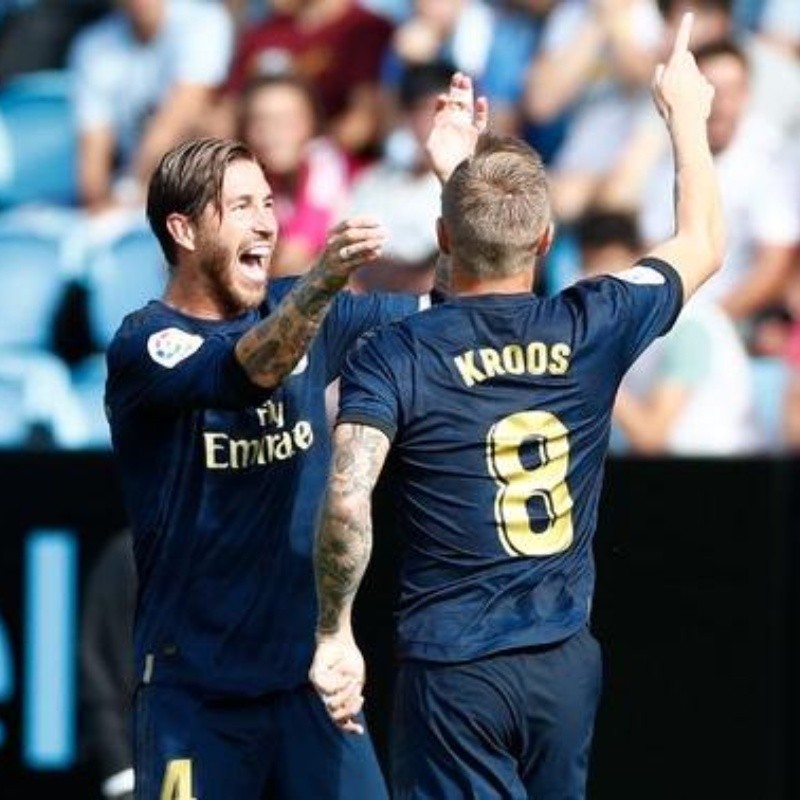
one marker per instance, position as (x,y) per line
(177,783)
(543,482)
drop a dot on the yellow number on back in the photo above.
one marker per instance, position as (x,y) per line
(177,783)
(518,484)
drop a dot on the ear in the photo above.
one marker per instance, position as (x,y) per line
(545,241)
(442,236)
(182,230)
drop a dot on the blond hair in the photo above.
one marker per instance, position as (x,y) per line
(496,207)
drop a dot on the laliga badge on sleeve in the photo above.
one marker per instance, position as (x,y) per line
(646,276)
(170,346)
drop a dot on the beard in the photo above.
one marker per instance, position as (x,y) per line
(219,268)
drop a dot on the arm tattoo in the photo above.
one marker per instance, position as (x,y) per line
(270,350)
(344,535)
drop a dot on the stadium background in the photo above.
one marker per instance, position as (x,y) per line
(696,610)
(696,605)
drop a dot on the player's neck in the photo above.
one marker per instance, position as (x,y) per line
(465,285)
(196,301)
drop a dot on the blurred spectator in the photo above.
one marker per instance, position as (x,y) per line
(308,173)
(771,47)
(763,225)
(491,42)
(337,46)
(106,667)
(144,76)
(691,391)
(402,190)
(36,36)
(595,63)
(780,22)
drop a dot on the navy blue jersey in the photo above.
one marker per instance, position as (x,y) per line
(499,408)
(222,482)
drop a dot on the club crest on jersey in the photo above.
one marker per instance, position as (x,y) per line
(646,276)
(170,346)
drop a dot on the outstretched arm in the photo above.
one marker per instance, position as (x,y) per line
(270,350)
(683,97)
(342,552)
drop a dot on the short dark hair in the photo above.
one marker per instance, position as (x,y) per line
(602,227)
(419,81)
(289,80)
(668,7)
(187,178)
(721,47)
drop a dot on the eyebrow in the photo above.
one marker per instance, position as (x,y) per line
(249,198)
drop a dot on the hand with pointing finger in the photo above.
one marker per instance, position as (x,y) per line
(680,91)
(460,118)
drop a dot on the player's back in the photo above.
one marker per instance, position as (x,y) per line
(500,409)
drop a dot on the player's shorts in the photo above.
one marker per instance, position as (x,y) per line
(512,725)
(282,746)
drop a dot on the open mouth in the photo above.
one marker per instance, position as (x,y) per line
(254,262)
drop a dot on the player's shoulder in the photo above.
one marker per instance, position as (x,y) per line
(157,330)
(646,273)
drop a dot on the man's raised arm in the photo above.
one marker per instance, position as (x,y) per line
(683,97)
(270,350)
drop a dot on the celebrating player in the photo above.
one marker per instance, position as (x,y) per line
(497,404)
(216,401)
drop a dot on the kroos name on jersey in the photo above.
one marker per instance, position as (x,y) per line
(534,358)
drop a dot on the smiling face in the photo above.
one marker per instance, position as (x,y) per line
(233,244)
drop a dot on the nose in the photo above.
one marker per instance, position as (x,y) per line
(264,221)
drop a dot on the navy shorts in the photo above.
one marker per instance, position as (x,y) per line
(281,746)
(513,725)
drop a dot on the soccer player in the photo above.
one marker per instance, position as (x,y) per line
(216,402)
(497,405)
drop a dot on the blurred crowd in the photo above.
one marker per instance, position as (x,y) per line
(336,97)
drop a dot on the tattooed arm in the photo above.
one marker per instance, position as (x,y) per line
(270,350)
(341,555)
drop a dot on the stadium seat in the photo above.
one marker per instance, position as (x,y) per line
(32,281)
(122,275)
(37,405)
(88,383)
(38,140)
(769,387)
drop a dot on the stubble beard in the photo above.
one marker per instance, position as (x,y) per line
(219,268)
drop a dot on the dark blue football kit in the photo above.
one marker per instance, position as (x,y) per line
(499,411)
(222,481)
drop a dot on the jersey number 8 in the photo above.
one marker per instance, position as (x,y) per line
(519,485)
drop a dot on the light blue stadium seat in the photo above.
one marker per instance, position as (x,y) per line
(32,281)
(122,275)
(769,386)
(88,383)
(37,400)
(38,140)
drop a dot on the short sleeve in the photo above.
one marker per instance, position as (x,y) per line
(353,315)
(369,388)
(617,316)
(170,368)
(92,90)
